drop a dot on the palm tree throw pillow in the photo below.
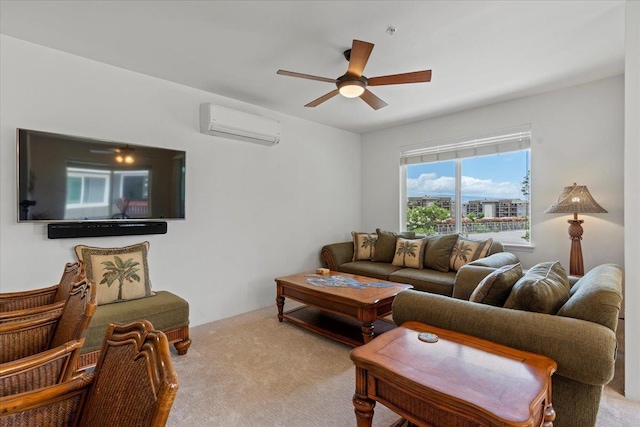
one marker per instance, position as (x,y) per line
(364,245)
(467,250)
(409,253)
(121,273)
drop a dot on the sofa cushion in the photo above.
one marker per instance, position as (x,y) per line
(435,282)
(363,245)
(496,287)
(596,297)
(543,289)
(467,250)
(166,311)
(409,253)
(386,244)
(120,273)
(378,270)
(438,253)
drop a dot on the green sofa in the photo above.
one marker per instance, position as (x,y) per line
(581,337)
(339,257)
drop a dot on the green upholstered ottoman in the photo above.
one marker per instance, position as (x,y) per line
(166,311)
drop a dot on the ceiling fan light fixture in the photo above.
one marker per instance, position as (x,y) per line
(124,155)
(351,88)
(353,84)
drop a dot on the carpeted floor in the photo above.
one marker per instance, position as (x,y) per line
(252,371)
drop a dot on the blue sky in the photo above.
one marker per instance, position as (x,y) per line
(497,176)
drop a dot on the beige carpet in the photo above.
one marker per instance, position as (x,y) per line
(252,371)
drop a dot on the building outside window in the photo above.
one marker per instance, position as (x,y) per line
(475,185)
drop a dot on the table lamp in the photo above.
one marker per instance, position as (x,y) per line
(575,199)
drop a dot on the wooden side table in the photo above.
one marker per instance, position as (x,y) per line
(457,381)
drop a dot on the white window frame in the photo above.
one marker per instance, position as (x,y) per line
(83,174)
(507,140)
(145,173)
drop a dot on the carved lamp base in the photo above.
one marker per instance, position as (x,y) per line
(576,264)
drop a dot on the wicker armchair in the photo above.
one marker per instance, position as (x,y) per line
(11,301)
(28,337)
(134,384)
(42,351)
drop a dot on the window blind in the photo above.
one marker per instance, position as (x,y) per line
(495,142)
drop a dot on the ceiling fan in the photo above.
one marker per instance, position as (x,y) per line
(353,84)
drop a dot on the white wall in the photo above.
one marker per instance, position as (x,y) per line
(253,212)
(577,136)
(632,200)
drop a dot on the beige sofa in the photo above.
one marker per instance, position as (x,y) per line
(434,277)
(581,337)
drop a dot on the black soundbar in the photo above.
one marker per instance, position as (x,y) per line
(64,230)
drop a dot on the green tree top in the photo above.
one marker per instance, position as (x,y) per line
(423,219)
(525,185)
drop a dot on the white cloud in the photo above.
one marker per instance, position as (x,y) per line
(428,184)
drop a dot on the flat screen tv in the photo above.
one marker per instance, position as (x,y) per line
(70,178)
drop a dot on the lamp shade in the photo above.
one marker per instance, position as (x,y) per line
(351,88)
(575,199)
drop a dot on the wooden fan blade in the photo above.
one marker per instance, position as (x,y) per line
(373,101)
(395,79)
(323,98)
(306,76)
(360,52)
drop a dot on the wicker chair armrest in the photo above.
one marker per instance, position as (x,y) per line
(10,301)
(48,405)
(24,338)
(40,370)
(44,311)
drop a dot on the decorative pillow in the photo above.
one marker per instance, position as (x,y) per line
(467,250)
(438,253)
(409,253)
(543,289)
(363,245)
(120,273)
(386,244)
(496,287)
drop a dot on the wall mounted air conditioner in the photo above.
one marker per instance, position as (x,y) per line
(226,123)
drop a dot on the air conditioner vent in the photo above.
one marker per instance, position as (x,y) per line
(226,123)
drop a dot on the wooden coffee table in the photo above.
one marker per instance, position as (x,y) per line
(348,315)
(457,381)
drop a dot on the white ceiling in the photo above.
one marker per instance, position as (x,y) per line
(481,52)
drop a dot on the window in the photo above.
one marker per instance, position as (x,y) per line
(131,192)
(476,185)
(106,192)
(87,188)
